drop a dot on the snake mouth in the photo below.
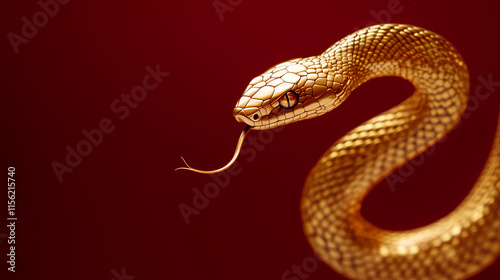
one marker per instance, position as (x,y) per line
(243,119)
(242,116)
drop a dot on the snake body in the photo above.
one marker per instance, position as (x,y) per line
(454,247)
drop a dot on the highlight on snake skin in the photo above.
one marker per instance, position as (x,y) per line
(458,245)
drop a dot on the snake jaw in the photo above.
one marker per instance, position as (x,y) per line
(244,115)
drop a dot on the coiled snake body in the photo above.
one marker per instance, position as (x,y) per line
(454,247)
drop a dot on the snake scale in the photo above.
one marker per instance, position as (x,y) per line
(455,247)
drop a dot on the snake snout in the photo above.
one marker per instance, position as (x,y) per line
(239,117)
(242,115)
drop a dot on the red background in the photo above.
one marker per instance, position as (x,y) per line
(119,207)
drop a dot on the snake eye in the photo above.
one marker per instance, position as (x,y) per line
(256,117)
(289,100)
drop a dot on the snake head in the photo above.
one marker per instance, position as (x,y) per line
(295,90)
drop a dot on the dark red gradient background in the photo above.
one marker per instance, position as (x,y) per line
(119,207)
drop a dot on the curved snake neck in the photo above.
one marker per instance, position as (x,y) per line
(456,246)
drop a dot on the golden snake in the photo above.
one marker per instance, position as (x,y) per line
(455,247)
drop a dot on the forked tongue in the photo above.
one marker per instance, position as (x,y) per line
(235,156)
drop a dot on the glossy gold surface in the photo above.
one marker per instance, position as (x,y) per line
(454,247)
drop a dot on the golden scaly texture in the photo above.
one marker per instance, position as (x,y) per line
(454,247)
